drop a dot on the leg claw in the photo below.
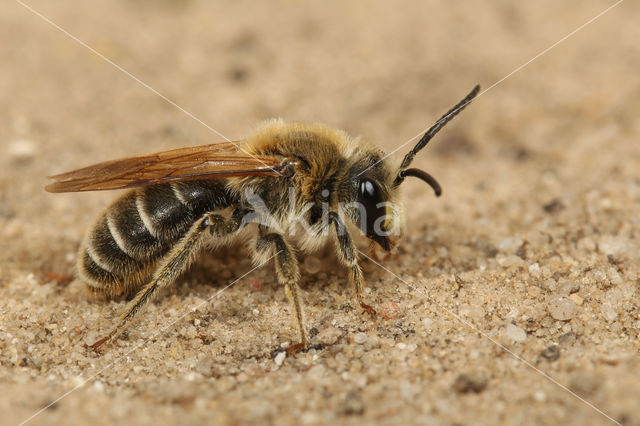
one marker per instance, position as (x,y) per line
(295,348)
(368,309)
(99,343)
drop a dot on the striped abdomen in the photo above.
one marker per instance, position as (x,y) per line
(120,251)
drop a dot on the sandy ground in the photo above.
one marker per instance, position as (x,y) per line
(531,254)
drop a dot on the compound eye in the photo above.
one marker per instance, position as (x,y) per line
(371,199)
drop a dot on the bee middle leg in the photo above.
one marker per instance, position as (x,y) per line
(174,263)
(348,256)
(288,274)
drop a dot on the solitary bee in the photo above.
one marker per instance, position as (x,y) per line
(183,199)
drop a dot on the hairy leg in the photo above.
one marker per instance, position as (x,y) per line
(348,256)
(174,263)
(288,274)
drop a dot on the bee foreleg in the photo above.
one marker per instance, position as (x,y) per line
(348,256)
(288,274)
(174,263)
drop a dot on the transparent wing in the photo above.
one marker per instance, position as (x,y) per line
(213,161)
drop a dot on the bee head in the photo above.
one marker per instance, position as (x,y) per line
(372,199)
(377,185)
(374,185)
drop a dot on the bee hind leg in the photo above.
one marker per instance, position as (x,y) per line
(288,274)
(348,256)
(173,264)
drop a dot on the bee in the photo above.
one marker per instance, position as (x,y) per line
(283,179)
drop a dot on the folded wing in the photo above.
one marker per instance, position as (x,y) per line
(213,161)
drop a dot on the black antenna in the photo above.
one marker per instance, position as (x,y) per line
(424,176)
(436,128)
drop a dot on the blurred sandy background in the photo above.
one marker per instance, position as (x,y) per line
(534,243)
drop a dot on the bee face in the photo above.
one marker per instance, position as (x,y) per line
(373,200)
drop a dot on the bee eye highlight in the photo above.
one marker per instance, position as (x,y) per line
(369,193)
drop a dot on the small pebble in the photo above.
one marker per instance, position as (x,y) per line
(551,353)
(540,396)
(510,260)
(98,386)
(515,333)
(608,312)
(567,338)
(360,338)
(616,246)
(465,383)
(352,404)
(567,287)
(22,150)
(328,335)
(279,359)
(562,309)
(576,299)
(534,270)
(317,372)
(509,244)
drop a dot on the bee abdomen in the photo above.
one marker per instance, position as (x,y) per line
(139,228)
(96,277)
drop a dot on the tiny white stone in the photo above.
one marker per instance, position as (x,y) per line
(190,376)
(515,333)
(360,338)
(427,323)
(279,359)
(540,396)
(22,150)
(613,245)
(608,311)
(534,270)
(576,299)
(509,244)
(562,309)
